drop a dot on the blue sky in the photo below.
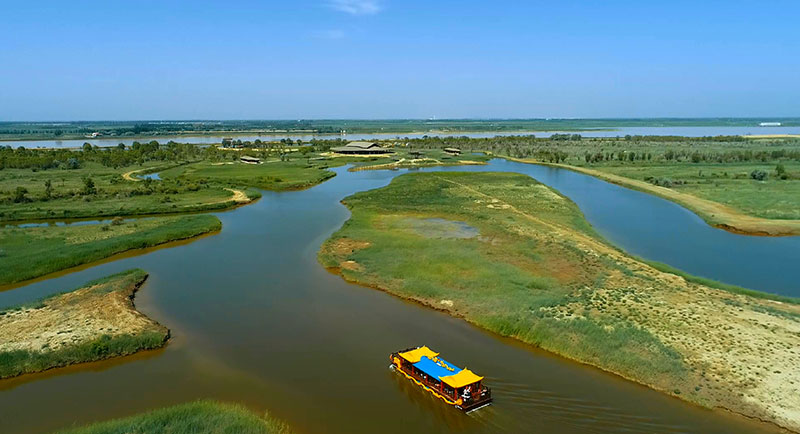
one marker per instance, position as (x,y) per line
(397,59)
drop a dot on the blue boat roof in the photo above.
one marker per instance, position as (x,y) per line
(436,367)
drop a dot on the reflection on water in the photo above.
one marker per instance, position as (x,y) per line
(153,176)
(62,223)
(256,320)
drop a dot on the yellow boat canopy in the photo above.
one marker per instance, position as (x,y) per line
(461,379)
(415,355)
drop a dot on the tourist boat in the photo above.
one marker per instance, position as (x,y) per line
(458,387)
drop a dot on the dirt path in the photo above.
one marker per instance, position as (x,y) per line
(128,176)
(238,196)
(714,213)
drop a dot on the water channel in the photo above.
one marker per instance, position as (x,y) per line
(255,319)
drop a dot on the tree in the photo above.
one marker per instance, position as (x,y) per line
(88,186)
(48,189)
(780,172)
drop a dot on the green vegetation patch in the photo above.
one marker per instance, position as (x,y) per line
(197,417)
(94,190)
(273,175)
(18,362)
(29,252)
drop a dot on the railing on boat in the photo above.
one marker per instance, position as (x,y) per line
(476,399)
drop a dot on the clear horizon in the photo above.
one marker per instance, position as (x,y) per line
(383,59)
(678,118)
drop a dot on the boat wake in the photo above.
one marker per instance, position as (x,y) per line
(548,409)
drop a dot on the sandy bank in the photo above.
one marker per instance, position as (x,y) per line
(94,322)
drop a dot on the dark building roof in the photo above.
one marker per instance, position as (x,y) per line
(361,148)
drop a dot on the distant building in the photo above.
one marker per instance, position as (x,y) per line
(227,142)
(250,160)
(769,124)
(361,148)
(453,151)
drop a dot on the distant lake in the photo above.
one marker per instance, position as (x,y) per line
(217,138)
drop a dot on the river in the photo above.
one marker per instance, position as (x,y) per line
(255,319)
(217,138)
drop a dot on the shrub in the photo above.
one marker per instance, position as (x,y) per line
(758,175)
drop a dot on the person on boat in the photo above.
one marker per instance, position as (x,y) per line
(466,396)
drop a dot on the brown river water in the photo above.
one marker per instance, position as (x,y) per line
(255,319)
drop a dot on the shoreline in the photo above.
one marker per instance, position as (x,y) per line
(713,213)
(567,357)
(105,307)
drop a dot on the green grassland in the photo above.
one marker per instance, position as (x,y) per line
(112,194)
(110,296)
(517,258)
(273,175)
(193,418)
(29,252)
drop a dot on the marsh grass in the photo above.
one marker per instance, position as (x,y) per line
(192,418)
(36,251)
(13,363)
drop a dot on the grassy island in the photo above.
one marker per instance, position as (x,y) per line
(517,258)
(29,252)
(97,321)
(197,417)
